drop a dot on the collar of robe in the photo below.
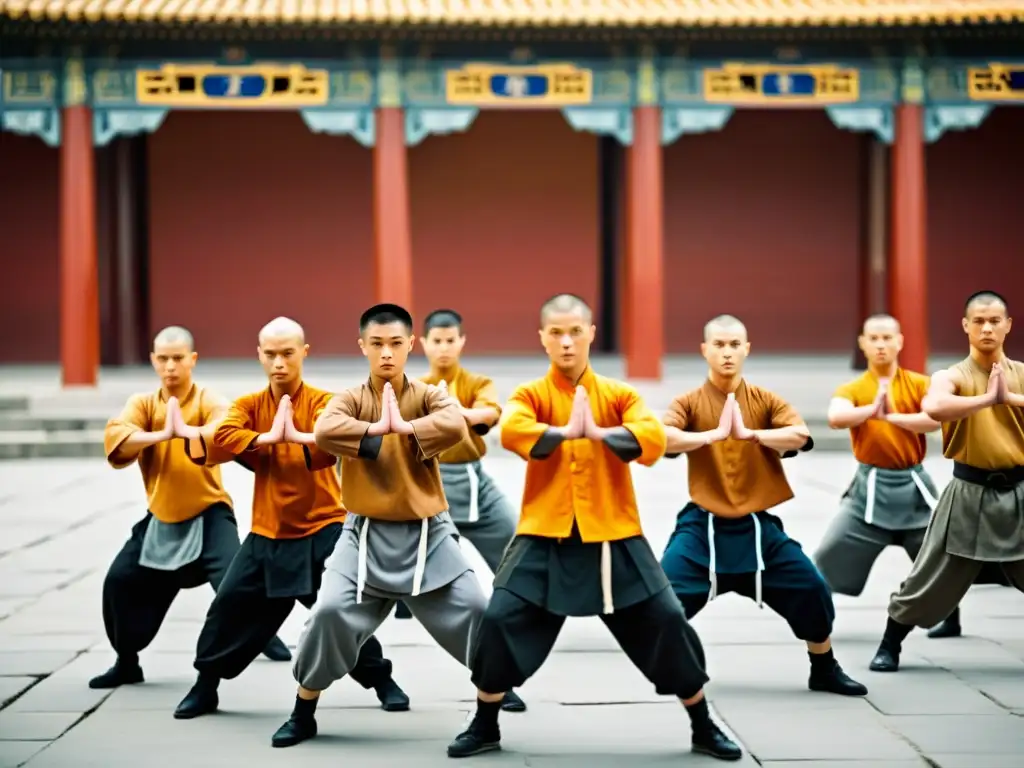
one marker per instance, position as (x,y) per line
(377,384)
(181,400)
(564,383)
(294,396)
(718,395)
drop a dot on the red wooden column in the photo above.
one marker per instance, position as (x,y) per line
(643,293)
(908,263)
(79,267)
(391,226)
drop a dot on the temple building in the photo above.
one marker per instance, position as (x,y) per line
(215,164)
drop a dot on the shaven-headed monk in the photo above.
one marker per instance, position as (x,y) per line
(189,534)
(891,498)
(734,435)
(399,540)
(579,549)
(297,517)
(979,519)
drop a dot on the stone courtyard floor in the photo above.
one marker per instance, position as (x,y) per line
(956,704)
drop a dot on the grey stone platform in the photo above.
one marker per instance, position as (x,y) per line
(956,704)
(39,419)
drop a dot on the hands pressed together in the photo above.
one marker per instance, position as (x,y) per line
(998,391)
(174,423)
(283,429)
(581,420)
(731,423)
(391,421)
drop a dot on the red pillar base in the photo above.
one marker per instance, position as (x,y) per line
(908,296)
(643,321)
(391,225)
(79,267)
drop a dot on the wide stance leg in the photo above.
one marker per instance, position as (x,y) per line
(848,551)
(135,602)
(337,628)
(937,583)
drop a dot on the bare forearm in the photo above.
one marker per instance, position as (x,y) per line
(678,441)
(139,440)
(918,423)
(954,407)
(265,439)
(783,439)
(302,438)
(850,417)
(486,416)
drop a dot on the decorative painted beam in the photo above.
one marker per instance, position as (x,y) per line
(30,102)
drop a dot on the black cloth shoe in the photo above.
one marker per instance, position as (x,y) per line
(276,650)
(710,740)
(948,628)
(887,658)
(512,703)
(122,673)
(295,731)
(202,699)
(392,698)
(475,740)
(833,679)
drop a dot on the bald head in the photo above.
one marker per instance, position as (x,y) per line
(881,323)
(565,304)
(724,324)
(174,336)
(282,328)
(985,300)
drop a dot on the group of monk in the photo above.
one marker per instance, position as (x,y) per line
(408,454)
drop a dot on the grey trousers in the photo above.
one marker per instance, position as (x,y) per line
(938,582)
(850,547)
(337,626)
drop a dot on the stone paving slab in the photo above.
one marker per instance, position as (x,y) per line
(955,704)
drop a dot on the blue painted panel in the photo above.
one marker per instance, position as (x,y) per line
(519,87)
(782,84)
(246,87)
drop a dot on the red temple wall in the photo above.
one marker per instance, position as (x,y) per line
(762,220)
(503,216)
(975,238)
(253,216)
(29,245)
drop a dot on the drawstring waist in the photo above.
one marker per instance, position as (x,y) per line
(712,561)
(418,571)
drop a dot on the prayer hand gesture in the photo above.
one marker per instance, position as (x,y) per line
(739,429)
(176,420)
(576,428)
(399,426)
(167,433)
(724,428)
(382,426)
(997,389)
(276,433)
(448,399)
(289,433)
(590,429)
(882,405)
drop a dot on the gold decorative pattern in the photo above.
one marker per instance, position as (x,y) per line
(996,82)
(555,13)
(273,86)
(552,85)
(781,84)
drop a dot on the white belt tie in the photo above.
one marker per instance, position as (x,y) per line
(930,500)
(474,493)
(712,561)
(606,578)
(421,559)
(869,502)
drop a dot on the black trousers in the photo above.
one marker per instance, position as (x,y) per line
(242,619)
(515,637)
(136,599)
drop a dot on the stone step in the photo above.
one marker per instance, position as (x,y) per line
(13,403)
(44,422)
(40,444)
